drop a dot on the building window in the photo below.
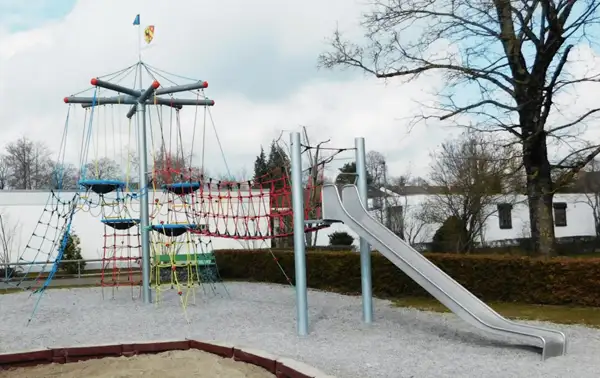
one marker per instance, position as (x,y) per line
(505,216)
(395,220)
(377,203)
(560,214)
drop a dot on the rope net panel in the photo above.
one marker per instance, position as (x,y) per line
(181,259)
(121,250)
(257,209)
(46,244)
(121,257)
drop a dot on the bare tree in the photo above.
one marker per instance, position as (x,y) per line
(401,215)
(314,181)
(318,156)
(377,168)
(103,169)
(589,184)
(467,176)
(417,229)
(64,176)
(404,213)
(5,172)
(8,244)
(30,164)
(512,59)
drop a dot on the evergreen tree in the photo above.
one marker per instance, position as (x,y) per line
(278,158)
(278,165)
(261,168)
(72,252)
(347,175)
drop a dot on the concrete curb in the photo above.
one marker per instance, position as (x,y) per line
(281,367)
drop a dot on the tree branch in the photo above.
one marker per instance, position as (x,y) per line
(578,120)
(547,105)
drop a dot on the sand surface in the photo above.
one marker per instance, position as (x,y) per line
(401,342)
(174,364)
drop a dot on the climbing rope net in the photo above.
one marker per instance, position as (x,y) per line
(191,213)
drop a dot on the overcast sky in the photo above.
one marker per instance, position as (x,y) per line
(258,56)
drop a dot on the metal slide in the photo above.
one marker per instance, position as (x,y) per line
(453,295)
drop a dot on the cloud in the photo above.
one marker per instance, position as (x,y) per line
(258,56)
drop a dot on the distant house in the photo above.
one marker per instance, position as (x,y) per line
(574,211)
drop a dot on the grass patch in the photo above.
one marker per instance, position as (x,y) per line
(589,316)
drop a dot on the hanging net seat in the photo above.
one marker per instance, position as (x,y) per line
(120,224)
(182,188)
(174,230)
(102,186)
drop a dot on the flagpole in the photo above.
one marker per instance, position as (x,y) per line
(143,179)
(137,22)
(140,52)
(139,43)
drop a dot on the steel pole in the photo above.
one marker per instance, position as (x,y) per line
(299,240)
(365,249)
(144,206)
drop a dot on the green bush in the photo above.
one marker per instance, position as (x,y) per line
(558,281)
(452,236)
(72,252)
(340,238)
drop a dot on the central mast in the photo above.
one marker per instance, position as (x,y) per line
(139,98)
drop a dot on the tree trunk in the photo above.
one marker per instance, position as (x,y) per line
(542,223)
(539,194)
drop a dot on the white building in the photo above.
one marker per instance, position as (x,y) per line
(508,219)
(27,213)
(32,221)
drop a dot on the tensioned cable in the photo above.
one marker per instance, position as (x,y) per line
(126,71)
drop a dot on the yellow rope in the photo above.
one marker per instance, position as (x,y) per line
(105,132)
(120,128)
(154,152)
(168,248)
(97,149)
(128,160)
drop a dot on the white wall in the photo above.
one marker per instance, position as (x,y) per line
(411,206)
(25,209)
(580,219)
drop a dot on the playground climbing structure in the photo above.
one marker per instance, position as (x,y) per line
(160,225)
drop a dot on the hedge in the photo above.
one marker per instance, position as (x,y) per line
(557,281)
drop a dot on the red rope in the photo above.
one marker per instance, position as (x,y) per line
(258,209)
(120,254)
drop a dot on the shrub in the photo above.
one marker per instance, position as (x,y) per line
(558,281)
(72,252)
(452,236)
(8,272)
(340,238)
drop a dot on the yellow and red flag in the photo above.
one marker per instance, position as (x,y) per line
(149,33)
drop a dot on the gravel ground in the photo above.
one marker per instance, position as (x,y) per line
(401,343)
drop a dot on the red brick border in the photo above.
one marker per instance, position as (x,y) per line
(281,367)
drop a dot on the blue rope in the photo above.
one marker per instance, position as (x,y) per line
(67,232)
(89,136)
(60,166)
(57,261)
